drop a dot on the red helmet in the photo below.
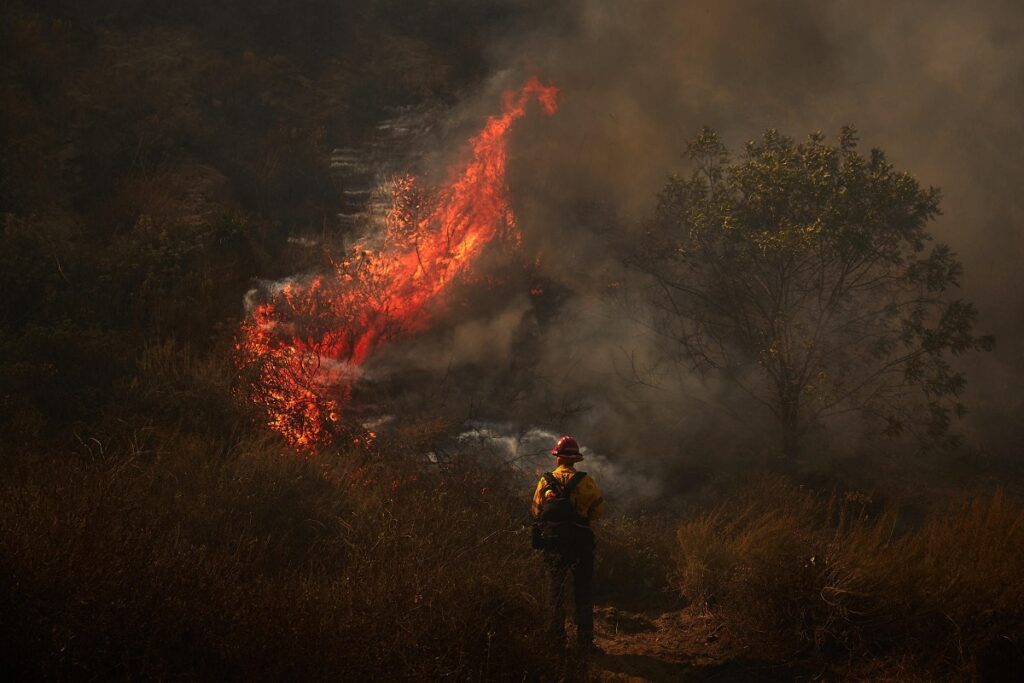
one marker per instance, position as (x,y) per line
(567,448)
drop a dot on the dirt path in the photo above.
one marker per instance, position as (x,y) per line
(677,646)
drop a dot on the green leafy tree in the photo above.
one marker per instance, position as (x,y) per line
(802,273)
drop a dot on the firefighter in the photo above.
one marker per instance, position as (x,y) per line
(564,505)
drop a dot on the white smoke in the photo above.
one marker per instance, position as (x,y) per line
(623,484)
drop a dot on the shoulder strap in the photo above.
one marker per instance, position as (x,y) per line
(553,483)
(571,484)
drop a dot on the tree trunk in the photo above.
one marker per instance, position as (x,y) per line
(790,423)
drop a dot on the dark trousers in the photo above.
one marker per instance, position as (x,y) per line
(579,561)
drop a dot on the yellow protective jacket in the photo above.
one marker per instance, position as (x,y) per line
(586,496)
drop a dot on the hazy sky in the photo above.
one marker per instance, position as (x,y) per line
(937,84)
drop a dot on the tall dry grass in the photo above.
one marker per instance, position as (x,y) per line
(186,562)
(790,571)
(634,562)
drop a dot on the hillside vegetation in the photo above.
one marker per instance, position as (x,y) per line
(156,162)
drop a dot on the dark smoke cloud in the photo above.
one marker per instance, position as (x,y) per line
(938,85)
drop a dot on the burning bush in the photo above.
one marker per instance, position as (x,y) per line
(306,344)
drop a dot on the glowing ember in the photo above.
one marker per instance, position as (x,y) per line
(305,345)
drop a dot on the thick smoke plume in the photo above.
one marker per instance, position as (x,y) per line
(937,85)
(564,346)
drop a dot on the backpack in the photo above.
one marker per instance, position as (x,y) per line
(559,524)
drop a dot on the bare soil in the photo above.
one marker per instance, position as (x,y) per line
(680,645)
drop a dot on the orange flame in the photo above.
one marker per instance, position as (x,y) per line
(305,345)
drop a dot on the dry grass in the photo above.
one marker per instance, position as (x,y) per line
(633,565)
(185,549)
(791,572)
(188,563)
